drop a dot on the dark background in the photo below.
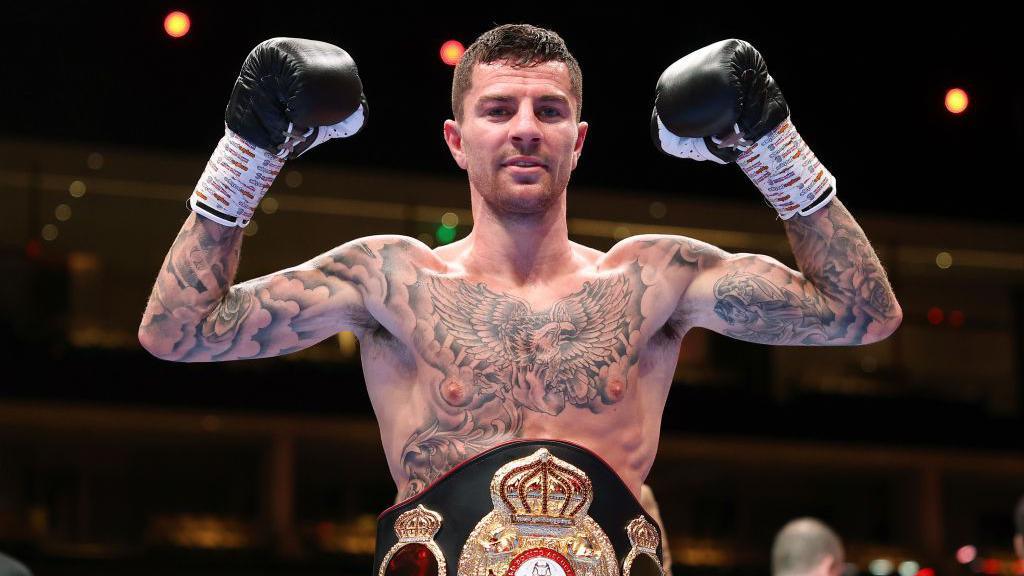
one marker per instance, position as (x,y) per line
(928,470)
(865,84)
(866,87)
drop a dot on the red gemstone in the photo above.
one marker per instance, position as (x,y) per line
(412,560)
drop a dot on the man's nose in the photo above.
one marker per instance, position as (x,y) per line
(525,127)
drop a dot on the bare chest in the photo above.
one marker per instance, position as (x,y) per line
(479,367)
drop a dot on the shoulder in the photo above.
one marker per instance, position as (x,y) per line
(391,250)
(412,246)
(371,263)
(663,251)
(382,267)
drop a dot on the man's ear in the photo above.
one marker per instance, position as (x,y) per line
(453,137)
(577,149)
(829,566)
(1018,545)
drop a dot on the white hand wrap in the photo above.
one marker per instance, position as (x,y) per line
(236,178)
(788,174)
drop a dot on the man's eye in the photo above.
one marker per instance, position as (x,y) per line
(556,111)
(495,111)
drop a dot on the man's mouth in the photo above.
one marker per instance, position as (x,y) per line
(524,163)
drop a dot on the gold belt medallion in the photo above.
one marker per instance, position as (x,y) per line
(539,525)
(643,538)
(415,552)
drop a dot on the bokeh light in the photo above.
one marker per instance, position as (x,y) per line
(62,212)
(444,234)
(451,52)
(880,567)
(177,24)
(49,232)
(77,189)
(966,554)
(956,100)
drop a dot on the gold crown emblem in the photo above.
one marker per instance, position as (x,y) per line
(643,534)
(417,525)
(542,490)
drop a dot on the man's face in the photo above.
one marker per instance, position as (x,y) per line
(518,114)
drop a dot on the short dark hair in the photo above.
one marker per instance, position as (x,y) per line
(1018,516)
(521,45)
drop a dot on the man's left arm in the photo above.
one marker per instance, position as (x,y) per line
(719,104)
(835,256)
(841,297)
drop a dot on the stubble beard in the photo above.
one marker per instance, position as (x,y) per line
(507,205)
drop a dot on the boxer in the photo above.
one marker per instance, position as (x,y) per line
(518,378)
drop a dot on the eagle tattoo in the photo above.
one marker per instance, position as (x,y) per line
(545,359)
(504,359)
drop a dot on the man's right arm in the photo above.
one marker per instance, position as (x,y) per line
(195,314)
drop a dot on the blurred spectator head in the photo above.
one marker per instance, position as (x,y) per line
(807,547)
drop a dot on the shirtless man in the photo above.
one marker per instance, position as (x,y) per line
(515,332)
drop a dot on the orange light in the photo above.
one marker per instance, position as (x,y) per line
(935,315)
(451,52)
(956,100)
(176,24)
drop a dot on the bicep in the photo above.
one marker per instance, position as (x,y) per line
(289,310)
(756,298)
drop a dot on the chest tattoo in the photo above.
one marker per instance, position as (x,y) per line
(499,358)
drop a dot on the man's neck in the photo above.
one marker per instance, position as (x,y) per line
(519,249)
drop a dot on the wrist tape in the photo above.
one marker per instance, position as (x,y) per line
(787,173)
(235,179)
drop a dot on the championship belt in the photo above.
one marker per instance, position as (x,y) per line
(524,508)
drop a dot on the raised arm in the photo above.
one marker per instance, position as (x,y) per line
(719,104)
(842,297)
(195,314)
(291,95)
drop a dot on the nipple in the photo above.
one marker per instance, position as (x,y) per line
(616,389)
(455,391)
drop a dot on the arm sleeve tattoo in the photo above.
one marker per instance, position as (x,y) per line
(194,316)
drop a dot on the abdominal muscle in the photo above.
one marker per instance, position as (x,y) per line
(429,426)
(466,364)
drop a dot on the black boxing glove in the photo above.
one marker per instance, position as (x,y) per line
(291,95)
(719,103)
